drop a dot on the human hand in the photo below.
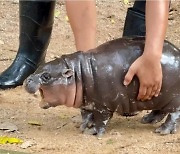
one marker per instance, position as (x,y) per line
(149,72)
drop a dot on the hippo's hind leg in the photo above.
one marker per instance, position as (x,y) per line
(170,125)
(154,117)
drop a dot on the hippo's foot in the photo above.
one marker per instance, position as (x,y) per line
(154,117)
(95,121)
(171,124)
(87,120)
(99,132)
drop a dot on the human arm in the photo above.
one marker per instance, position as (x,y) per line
(148,67)
(82,18)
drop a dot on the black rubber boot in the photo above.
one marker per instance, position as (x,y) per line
(135,20)
(36,20)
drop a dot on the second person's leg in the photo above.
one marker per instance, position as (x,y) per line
(36,20)
(135,20)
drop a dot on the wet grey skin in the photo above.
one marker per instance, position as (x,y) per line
(93,81)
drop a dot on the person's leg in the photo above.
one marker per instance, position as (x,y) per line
(135,20)
(82,17)
(36,20)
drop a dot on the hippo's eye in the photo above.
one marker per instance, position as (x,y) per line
(45,77)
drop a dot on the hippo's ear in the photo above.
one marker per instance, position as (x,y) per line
(67,73)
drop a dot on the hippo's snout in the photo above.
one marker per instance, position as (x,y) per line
(32,84)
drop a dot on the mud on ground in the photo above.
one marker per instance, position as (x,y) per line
(59,132)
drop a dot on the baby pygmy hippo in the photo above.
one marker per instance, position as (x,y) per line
(93,81)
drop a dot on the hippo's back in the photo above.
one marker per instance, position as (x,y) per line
(106,66)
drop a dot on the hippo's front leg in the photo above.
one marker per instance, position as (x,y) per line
(87,119)
(100,120)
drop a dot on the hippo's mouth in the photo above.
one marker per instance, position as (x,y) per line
(44,104)
(41,93)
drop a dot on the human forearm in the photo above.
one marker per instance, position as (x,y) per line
(148,67)
(82,17)
(156,25)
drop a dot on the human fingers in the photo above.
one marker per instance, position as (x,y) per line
(153,92)
(129,76)
(142,92)
(158,89)
(148,93)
